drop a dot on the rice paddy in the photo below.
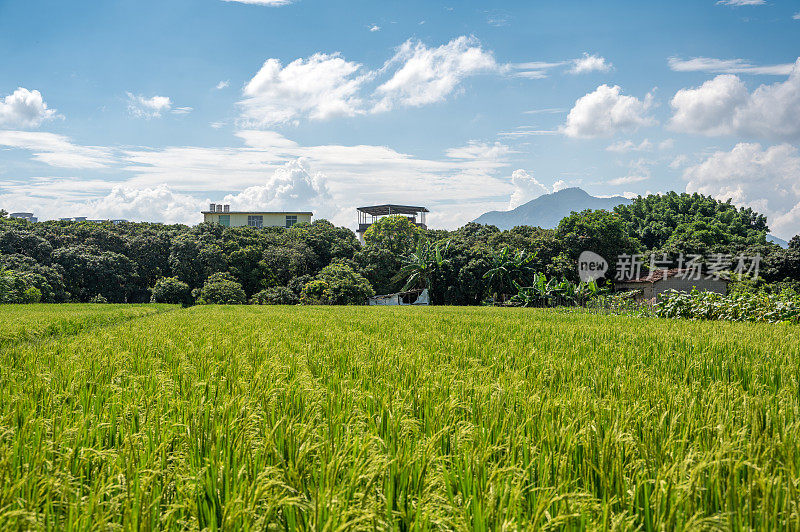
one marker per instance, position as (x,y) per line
(334,418)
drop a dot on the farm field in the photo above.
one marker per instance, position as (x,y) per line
(23,323)
(312,418)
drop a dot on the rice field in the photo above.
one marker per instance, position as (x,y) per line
(364,418)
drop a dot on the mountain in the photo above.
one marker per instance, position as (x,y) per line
(775,240)
(547,210)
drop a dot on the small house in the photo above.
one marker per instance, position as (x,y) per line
(682,280)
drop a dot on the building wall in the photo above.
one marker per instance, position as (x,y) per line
(270,220)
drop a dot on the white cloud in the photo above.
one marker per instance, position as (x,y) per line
(628,145)
(606,111)
(796,16)
(159,203)
(766,180)
(727,66)
(319,87)
(741,2)
(182,110)
(666,144)
(639,171)
(590,63)
(679,162)
(723,106)
(526,188)
(457,186)
(535,69)
(223,85)
(57,150)
(560,185)
(291,187)
(374,28)
(142,107)
(262,2)
(479,150)
(428,75)
(25,109)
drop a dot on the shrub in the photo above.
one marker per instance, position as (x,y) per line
(297,283)
(172,290)
(742,306)
(222,289)
(99,298)
(277,295)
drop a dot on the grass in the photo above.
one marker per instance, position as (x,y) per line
(406,418)
(25,323)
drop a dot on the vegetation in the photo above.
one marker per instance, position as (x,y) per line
(78,261)
(772,308)
(326,418)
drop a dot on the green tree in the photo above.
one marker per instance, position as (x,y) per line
(277,295)
(601,232)
(172,290)
(344,285)
(222,289)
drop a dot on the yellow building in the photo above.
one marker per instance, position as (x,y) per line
(221,214)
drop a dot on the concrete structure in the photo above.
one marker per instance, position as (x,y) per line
(413,297)
(24,216)
(222,214)
(368,215)
(658,281)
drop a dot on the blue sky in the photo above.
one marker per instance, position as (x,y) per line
(149,110)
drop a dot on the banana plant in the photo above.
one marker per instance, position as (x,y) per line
(420,266)
(509,268)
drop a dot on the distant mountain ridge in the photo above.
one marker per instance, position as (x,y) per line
(549,209)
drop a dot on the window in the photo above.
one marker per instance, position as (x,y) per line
(255,221)
(225,220)
(291,220)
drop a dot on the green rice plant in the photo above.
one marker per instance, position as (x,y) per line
(403,418)
(24,323)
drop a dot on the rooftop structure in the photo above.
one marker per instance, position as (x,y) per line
(369,215)
(223,215)
(24,216)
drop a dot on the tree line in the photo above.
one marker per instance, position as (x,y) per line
(58,261)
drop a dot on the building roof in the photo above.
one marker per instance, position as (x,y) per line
(381,210)
(309,213)
(659,275)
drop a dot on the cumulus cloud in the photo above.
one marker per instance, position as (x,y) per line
(152,107)
(724,106)
(24,108)
(590,63)
(727,66)
(292,187)
(606,111)
(319,87)
(159,203)
(526,188)
(428,75)
(766,180)
(374,28)
(560,185)
(223,85)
